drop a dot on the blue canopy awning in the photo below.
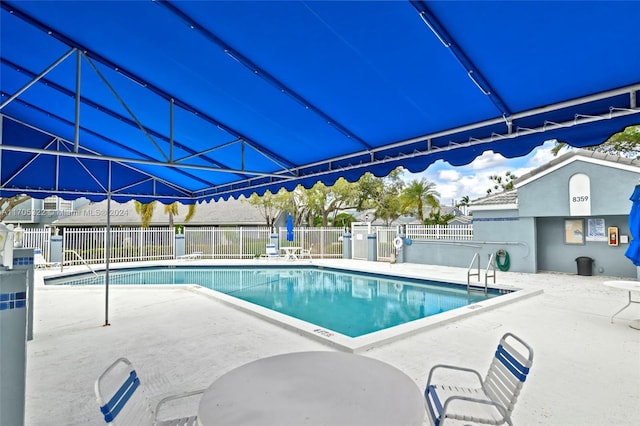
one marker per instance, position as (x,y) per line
(198,100)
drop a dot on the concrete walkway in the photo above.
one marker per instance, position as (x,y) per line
(586,371)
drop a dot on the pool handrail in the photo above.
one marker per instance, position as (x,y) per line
(79,257)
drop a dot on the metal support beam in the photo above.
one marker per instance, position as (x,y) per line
(124,105)
(38,77)
(206,151)
(76,130)
(125,160)
(107,251)
(171,104)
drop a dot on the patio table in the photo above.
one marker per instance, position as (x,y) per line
(291,252)
(313,388)
(630,287)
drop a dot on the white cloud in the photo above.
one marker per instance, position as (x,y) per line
(449,175)
(488,159)
(542,155)
(473,180)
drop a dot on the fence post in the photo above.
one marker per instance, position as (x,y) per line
(372,247)
(346,245)
(179,245)
(56,249)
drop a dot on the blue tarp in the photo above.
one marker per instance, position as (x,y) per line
(633,251)
(290,235)
(194,100)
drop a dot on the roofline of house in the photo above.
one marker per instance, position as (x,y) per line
(487,207)
(577,156)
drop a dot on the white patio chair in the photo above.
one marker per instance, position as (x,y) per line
(490,401)
(122,399)
(306,252)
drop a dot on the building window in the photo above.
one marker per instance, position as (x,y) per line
(65,205)
(50,203)
(55,203)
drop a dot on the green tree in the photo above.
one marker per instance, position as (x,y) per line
(322,200)
(270,205)
(417,194)
(344,220)
(387,204)
(463,203)
(370,188)
(8,203)
(623,144)
(437,218)
(502,183)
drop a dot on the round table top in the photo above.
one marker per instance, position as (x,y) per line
(313,388)
(624,285)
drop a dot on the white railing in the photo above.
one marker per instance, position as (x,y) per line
(440,232)
(135,243)
(226,243)
(38,237)
(322,242)
(127,244)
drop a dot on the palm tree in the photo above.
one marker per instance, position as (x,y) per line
(417,194)
(145,211)
(464,203)
(172,210)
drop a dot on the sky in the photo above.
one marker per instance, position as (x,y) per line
(472,180)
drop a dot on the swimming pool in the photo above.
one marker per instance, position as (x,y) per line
(335,302)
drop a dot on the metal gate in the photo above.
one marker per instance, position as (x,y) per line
(384,240)
(359,232)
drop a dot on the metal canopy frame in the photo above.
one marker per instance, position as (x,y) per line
(193,166)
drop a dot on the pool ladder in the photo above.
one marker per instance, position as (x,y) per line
(490,272)
(79,257)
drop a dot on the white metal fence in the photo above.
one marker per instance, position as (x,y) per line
(127,244)
(440,232)
(135,243)
(322,242)
(37,237)
(226,243)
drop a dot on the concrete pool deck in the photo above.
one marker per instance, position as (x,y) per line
(586,370)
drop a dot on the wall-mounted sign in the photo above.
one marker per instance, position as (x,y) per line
(596,230)
(574,231)
(579,195)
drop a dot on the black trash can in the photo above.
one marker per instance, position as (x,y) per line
(585,265)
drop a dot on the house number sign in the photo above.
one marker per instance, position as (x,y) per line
(579,195)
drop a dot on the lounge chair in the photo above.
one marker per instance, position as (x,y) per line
(121,396)
(39,261)
(272,252)
(490,401)
(191,256)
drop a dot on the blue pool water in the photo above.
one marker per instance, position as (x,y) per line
(350,303)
